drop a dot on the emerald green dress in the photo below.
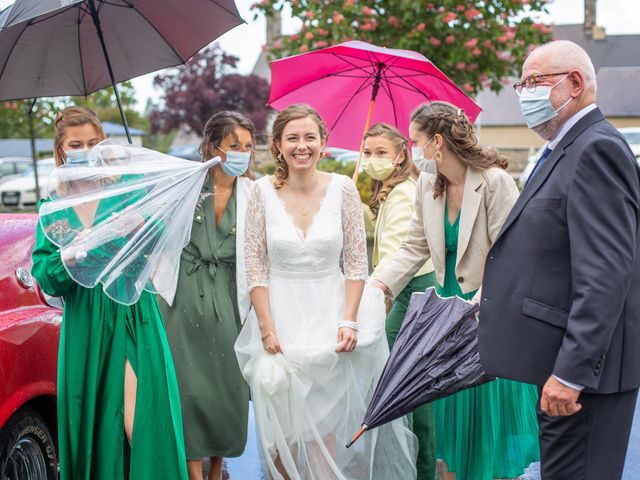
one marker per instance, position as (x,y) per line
(96,337)
(490,431)
(202,326)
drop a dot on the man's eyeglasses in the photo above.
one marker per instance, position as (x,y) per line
(531,82)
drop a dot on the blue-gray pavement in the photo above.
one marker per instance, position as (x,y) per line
(247,466)
(632,465)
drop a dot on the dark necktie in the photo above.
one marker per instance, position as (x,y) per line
(538,165)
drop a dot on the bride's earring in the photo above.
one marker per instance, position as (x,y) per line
(279,157)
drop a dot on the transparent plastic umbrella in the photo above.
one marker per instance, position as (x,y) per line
(121,216)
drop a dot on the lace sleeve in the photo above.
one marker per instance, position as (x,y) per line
(255,249)
(354,251)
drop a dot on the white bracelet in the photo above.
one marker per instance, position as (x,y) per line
(348,324)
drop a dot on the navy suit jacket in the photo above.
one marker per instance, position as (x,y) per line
(560,289)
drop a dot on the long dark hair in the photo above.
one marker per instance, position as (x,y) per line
(458,133)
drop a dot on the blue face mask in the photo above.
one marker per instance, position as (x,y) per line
(236,164)
(536,106)
(77,157)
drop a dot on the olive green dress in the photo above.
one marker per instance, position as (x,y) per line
(490,431)
(202,326)
(97,336)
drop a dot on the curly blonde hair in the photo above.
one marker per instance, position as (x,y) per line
(380,190)
(292,112)
(458,133)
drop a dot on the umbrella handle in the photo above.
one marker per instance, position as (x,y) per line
(363,429)
(366,129)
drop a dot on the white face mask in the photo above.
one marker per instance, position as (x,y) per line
(536,106)
(426,165)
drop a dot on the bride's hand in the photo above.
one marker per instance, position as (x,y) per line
(271,343)
(347,339)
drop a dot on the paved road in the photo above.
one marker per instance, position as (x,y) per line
(247,467)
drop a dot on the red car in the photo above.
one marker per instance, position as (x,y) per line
(29,333)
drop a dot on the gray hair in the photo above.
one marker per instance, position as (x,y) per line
(564,54)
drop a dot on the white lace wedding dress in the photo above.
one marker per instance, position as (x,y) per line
(310,400)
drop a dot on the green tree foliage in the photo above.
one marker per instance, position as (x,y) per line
(478,44)
(14,115)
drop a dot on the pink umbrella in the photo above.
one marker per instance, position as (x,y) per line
(356,82)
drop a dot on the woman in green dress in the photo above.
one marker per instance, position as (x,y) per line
(212,302)
(463,198)
(392,204)
(118,401)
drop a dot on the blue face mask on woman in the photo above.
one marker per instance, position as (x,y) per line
(77,156)
(536,106)
(237,163)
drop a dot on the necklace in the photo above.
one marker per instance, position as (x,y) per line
(303,211)
(221,190)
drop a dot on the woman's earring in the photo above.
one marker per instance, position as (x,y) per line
(438,156)
(279,156)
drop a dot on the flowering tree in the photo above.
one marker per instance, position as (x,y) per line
(207,84)
(478,44)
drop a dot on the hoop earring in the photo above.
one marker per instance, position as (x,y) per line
(438,156)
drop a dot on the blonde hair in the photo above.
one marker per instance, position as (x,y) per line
(458,133)
(380,190)
(74,116)
(292,112)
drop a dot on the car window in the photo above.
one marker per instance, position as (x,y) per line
(6,169)
(632,137)
(43,170)
(22,166)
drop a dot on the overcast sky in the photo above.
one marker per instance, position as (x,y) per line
(245,41)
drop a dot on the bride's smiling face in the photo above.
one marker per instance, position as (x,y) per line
(301,144)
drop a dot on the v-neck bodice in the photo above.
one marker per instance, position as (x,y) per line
(304,234)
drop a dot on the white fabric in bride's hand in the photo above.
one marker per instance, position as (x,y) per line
(143,202)
(310,399)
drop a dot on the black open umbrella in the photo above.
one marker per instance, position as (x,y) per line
(434,355)
(51,48)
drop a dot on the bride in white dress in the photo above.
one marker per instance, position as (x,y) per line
(313,346)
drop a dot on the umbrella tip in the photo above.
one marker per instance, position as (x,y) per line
(357,435)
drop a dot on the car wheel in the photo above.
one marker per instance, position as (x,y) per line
(27,451)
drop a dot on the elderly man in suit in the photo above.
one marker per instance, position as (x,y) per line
(560,304)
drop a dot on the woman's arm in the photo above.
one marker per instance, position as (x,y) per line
(47,268)
(257,263)
(400,268)
(356,267)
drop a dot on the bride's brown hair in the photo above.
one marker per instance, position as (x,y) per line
(292,112)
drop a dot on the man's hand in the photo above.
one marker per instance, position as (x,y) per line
(558,400)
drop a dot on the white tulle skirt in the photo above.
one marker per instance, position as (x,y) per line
(310,400)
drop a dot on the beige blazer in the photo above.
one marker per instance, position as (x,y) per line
(487,200)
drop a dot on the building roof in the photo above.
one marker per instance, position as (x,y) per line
(22,147)
(617,63)
(116,130)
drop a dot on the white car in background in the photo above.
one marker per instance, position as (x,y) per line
(632,135)
(20,193)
